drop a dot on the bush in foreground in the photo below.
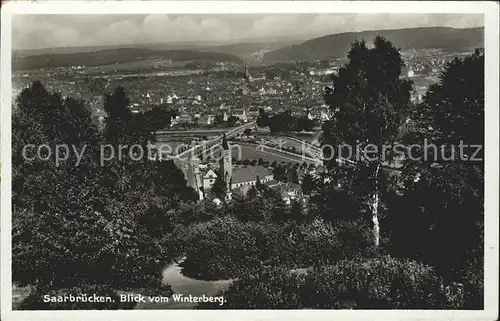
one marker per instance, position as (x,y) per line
(226,248)
(381,283)
(326,243)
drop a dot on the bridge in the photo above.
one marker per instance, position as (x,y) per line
(310,153)
(309,148)
(208,145)
(162,134)
(283,154)
(305,147)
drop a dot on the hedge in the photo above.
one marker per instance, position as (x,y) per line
(380,283)
(226,248)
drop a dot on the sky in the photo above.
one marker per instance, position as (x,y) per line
(47,31)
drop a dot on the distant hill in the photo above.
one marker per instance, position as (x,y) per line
(112,56)
(245,48)
(337,45)
(184,45)
(250,52)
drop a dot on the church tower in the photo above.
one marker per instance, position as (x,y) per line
(247,76)
(193,175)
(226,166)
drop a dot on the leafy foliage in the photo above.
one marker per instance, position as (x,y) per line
(284,122)
(383,283)
(369,101)
(226,248)
(96,225)
(105,227)
(444,208)
(219,188)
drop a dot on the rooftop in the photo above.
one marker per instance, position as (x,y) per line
(250,173)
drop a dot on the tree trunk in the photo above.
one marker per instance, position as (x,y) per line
(376,198)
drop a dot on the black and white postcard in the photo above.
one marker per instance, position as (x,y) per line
(296,160)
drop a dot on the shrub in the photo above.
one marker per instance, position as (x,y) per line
(187,213)
(473,284)
(226,248)
(382,283)
(276,288)
(323,242)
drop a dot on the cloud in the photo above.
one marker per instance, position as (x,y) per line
(273,25)
(218,28)
(42,31)
(35,34)
(121,32)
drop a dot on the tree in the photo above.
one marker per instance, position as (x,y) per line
(219,119)
(279,173)
(258,183)
(84,226)
(296,212)
(282,122)
(292,175)
(118,122)
(443,209)
(252,207)
(155,119)
(304,123)
(219,188)
(308,184)
(263,118)
(232,120)
(369,100)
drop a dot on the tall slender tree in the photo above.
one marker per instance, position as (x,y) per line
(369,99)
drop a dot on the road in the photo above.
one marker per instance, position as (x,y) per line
(198,149)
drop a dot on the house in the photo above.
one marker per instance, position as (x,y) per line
(247,176)
(208,179)
(184,119)
(242,91)
(288,191)
(206,119)
(241,114)
(253,112)
(271,91)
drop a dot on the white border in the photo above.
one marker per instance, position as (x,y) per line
(491,14)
